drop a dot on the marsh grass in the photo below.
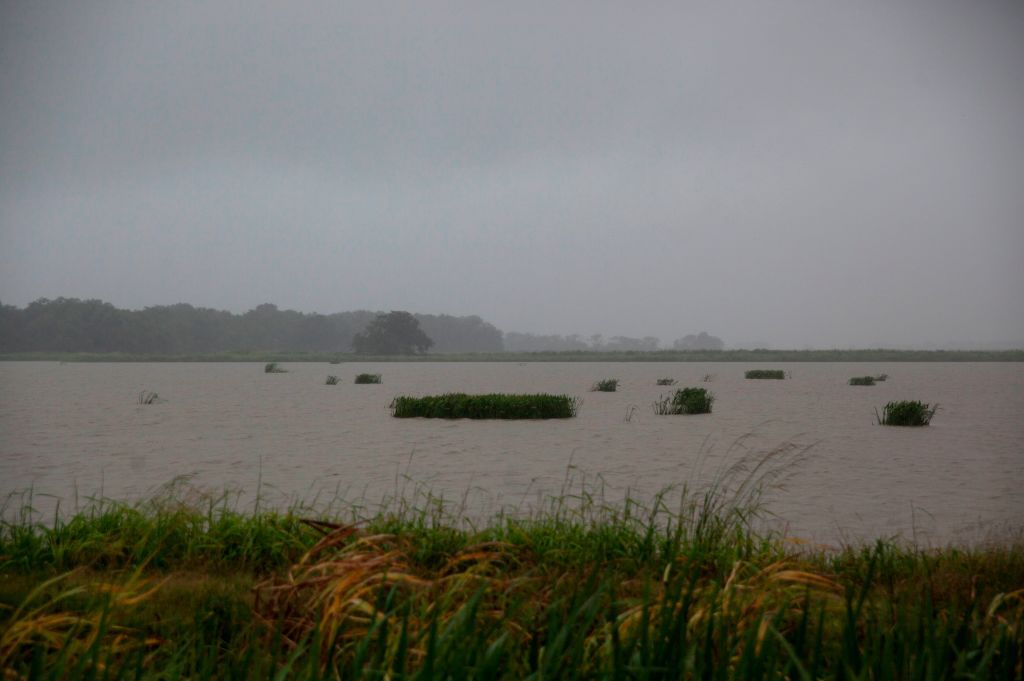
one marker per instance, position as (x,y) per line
(682,586)
(607,385)
(146,397)
(685,401)
(666,381)
(490,406)
(274,368)
(331,380)
(368,378)
(906,413)
(766,373)
(862,380)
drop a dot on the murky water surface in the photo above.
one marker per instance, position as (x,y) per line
(79,427)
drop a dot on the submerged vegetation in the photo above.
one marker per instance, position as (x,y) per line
(766,373)
(862,380)
(607,385)
(685,401)
(683,587)
(331,380)
(368,378)
(146,397)
(274,368)
(906,413)
(492,406)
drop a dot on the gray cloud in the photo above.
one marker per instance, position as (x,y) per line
(789,172)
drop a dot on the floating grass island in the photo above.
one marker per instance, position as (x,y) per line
(906,413)
(491,406)
(607,385)
(766,373)
(368,378)
(685,401)
(862,380)
(666,381)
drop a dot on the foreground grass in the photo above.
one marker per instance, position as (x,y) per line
(681,588)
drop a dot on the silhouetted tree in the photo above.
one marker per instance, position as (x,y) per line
(395,333)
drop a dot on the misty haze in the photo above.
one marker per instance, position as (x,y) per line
(518,341)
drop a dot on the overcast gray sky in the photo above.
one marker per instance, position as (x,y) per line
(795,173)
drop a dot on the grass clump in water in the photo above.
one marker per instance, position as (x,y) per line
(881,377)
(906,413)
(666,381)
(862,380)
(368,378)
(146,397)
(331,380)
(274,368)
(491,406)
(685,401)
(766,373)
(607,385)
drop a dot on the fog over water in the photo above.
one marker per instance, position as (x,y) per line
(789,174)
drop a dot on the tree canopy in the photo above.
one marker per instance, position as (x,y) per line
(74,325)
(395,333)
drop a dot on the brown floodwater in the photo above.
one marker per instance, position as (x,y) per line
(78,429)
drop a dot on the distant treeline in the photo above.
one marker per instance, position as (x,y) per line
(91,330)
(70,325)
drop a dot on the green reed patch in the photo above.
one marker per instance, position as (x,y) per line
(368,378)
(766,373)
(331,380)
(906,413)
(274,368)
(607,385)
(666,381)
(862,380)
(685,401)
(491,406)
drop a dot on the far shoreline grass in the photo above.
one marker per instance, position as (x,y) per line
(863,355)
